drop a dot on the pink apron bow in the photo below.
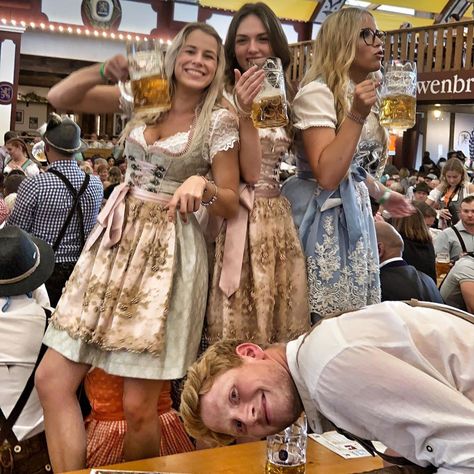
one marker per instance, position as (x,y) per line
(111,218)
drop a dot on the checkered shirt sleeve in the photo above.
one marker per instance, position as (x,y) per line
(4,211)
(43,203)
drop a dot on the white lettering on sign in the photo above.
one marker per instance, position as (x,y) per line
(454,85)
(434,84)
(458,82)
(448,83)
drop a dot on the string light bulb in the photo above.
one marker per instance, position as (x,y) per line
(79,31)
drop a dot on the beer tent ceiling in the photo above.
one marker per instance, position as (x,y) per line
(418,13)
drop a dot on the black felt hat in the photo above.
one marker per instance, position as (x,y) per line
(26,262)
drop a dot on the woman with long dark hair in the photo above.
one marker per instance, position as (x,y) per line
(418,249)
(259,288)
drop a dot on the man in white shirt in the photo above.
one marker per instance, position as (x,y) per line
(448,242)
(398,374)
(457,288)
(25,264)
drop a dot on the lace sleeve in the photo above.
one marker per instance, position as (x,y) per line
(224,132)
(314,107)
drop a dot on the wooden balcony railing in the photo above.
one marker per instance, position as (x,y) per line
(447,47)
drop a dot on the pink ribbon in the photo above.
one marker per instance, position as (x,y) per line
(110,219)
(235,242)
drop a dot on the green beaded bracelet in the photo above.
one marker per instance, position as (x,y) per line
(102,72)
(385,197)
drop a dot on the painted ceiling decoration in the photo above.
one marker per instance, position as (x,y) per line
(389,14)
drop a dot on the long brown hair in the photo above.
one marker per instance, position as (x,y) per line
(276,36)
(413,227)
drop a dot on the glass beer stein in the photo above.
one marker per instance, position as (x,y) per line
(148,88)
(398,107)
(269,107)
(286,451)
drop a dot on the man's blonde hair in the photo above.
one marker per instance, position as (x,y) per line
(219,358)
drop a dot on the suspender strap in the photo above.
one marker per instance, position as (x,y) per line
(459,236)
(6,424)
(25,165)
(442,307)
(457,190)
(76,205)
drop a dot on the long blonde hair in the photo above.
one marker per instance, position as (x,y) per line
(334,51)
(455,165)
(211,95)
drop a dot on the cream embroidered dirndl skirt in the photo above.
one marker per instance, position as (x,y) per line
(135,308)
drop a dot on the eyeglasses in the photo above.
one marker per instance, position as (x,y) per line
(369,35)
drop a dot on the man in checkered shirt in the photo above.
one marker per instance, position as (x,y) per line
(47,201)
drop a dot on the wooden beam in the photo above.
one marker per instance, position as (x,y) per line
(51,65)
(458,7)
(39,79)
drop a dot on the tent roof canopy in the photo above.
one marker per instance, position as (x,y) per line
(389,14)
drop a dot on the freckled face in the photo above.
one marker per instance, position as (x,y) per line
(253,400)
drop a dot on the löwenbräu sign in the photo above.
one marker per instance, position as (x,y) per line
(445,85)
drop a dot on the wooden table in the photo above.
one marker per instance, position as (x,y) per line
(248,458)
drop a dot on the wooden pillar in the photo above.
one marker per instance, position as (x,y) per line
(10,42)
(407,146)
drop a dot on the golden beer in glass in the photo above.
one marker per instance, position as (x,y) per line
(271,468)
(398,105)
(148,89)
(269,112)
(398,111)
(286,450)
(269,108)
(151,93)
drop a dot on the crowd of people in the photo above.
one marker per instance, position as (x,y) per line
(185,238)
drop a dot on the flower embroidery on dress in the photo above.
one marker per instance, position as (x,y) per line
(334,287)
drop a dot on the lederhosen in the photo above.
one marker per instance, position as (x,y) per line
(404,464)
(29,456)
(62,271)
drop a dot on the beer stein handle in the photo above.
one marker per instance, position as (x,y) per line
(126,91)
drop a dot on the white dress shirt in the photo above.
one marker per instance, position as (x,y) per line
(21,332)
(400,375)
